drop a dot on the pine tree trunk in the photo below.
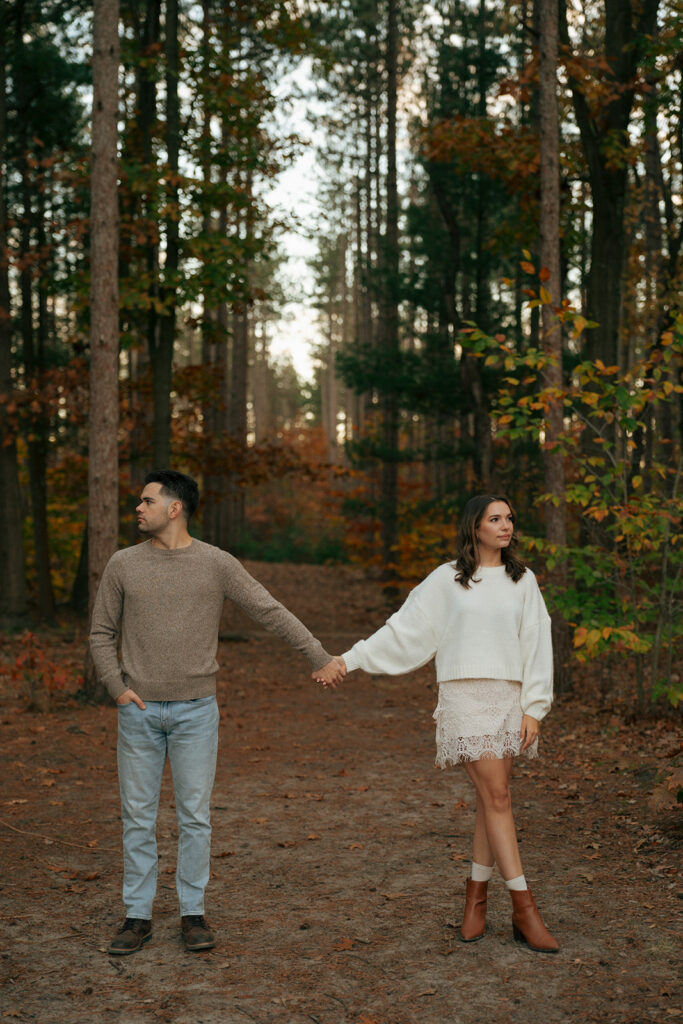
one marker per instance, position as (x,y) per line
(13,599)
(37,444)
(556,508)
(237,423)
(389,303)
(103,470)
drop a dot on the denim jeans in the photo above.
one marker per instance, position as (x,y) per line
(186,731)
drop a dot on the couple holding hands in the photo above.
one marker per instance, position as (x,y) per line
(481,617)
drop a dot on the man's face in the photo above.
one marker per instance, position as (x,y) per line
(152,512)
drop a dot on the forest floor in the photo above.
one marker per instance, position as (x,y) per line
(339,852)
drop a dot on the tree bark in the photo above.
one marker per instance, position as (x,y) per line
(553,459)
(103,470)
(37,441)
(389,304)
(13,596)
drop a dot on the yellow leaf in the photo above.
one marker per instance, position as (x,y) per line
(580,636)
(593,637)
(545,296)
(637,481)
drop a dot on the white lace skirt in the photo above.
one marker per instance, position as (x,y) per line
(477,719)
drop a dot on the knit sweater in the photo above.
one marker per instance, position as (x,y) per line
(496,629)
(167,606)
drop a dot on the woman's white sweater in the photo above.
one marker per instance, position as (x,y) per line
(497,629)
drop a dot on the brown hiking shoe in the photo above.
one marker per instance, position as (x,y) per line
(196,933)
(130,937)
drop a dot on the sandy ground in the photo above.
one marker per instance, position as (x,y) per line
(339,854)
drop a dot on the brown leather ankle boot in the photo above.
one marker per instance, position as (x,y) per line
(527,925)
(474,918)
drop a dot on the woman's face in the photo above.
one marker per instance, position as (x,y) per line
(495,529)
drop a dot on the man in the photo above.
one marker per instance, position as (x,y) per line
(165,598)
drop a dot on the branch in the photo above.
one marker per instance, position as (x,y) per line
(64,842)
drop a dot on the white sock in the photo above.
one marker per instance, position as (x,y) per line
(481,872)
(518,884)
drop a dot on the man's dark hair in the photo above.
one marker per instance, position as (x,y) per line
(177,485)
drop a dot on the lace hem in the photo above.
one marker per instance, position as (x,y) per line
(460,749)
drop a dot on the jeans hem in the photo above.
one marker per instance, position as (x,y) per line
(138,915)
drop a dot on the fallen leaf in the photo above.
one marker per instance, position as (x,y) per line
(356,846)
(344,944)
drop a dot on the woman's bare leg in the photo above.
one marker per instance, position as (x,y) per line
(495,837)
(481,850)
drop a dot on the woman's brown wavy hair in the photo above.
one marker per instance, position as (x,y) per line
(466,561)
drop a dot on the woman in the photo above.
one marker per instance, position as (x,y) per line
(484,619)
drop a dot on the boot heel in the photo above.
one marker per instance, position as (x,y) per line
(527,924)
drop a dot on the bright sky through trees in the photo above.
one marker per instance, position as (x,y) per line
(294,198)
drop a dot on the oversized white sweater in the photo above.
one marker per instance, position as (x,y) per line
(497,629)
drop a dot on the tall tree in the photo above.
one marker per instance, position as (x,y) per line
(553,457)
(33,346)
(389,338)
(13,597)
(103,465)
(603,114)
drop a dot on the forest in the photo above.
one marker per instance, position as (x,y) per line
(496,288)
(490,194)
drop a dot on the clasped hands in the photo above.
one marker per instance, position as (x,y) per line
(331,674)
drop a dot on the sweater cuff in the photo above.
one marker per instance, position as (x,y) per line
(538,710)
(116,687)
(351,660)
(321,659)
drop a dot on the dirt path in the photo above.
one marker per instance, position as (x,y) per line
(339,856)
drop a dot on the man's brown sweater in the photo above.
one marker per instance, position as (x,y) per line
(167,605)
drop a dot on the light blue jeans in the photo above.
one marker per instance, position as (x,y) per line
(186,731)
